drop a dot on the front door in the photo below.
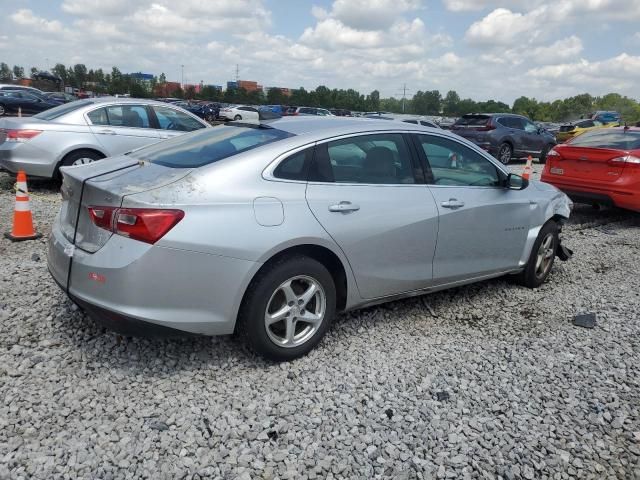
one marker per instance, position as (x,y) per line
(483,226)
(363,191)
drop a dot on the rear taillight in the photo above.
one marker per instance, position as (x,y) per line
(553,153)
(485,128)
(145,224)
(630,160)
(20,136)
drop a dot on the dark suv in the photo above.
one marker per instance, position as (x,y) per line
(505,136)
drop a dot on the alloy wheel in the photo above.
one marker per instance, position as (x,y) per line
(505,154)
(83,161)
(1,110)
(545,255)
(295,311)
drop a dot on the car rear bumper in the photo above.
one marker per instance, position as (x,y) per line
(613,195)
(34,161)
(129,285)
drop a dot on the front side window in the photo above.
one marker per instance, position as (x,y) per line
(455,164)
(170,119)
(371,159)
(530,127)
(208,145)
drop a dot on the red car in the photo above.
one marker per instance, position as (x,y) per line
(598,167)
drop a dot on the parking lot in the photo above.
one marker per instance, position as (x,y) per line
(491,380)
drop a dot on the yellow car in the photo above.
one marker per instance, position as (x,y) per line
(573,129)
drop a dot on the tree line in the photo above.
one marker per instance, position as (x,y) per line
(428,102)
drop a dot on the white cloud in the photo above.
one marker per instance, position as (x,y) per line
(25,17)
(92,8)
(371,14)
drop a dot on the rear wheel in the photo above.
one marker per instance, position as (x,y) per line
(542,159)
(505,152)
(2,110)
(542,257)
(288,308)
(79,157)
(237,117)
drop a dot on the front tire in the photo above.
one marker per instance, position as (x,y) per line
(542,257)
(505,152)
(288,308)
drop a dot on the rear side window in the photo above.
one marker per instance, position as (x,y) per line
(99,117)
(209,145)
(370,159)
(294,166)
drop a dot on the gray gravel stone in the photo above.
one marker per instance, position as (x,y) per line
(485,381)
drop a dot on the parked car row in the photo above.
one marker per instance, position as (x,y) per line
(87,130)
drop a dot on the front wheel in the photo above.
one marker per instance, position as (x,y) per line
(504,153)
(542,257)
(288,308)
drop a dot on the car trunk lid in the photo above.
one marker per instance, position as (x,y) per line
(105,184)
(591,164)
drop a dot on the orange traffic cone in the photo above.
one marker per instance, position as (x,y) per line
(528,169)
(22,219)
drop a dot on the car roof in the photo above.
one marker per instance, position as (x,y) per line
(340,125)
(146,101)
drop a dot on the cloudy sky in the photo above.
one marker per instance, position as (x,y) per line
(481,48)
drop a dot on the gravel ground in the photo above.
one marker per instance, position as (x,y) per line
(486,381)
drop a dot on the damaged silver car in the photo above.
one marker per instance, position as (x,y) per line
(267,230)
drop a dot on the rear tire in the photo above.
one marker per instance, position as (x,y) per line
(542,159)
(3,111)
(79,157)
(542,257)
(237,117)
(505,152)
(275,320)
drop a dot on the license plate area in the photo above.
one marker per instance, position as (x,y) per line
(557,171)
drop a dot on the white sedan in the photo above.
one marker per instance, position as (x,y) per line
(239,112)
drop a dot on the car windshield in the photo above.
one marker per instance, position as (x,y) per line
(617,139)
(209,145)
(60,110)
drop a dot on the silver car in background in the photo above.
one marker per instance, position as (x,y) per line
(87,130)
(267,230)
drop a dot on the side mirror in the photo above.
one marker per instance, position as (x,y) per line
(516,182)
(541,130)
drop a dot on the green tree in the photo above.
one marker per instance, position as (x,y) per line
(61,71)
(451,103)
(18,72)
(373,101)
(5,73)
(162,78)
(33,72)
(276,97)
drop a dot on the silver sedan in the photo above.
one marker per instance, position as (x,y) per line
(87,130)
(268,230)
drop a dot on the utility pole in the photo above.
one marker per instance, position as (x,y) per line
(237,73)
(404,96)
(182,83)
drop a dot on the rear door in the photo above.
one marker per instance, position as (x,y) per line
(122,128)
(482,225)
(366,191)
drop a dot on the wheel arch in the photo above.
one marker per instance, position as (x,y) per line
(73,150)
(337,266)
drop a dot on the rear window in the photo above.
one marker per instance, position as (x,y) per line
(209,145)
(473,120)
(617,139)
(61,110)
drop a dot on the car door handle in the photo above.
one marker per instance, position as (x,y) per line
(452,203)
(344,207)
(107,132)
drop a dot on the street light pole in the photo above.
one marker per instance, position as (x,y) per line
(182,83)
